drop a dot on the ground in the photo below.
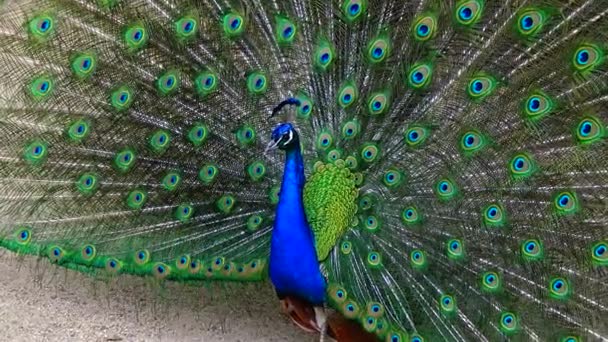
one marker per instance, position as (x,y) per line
(41,302)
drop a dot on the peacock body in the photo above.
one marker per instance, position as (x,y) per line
(444,173)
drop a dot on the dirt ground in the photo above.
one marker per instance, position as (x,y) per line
(42,302)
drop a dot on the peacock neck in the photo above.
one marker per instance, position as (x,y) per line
(291,203)
(293,177)
(294,267)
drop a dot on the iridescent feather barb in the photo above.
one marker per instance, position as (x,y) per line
(445,174)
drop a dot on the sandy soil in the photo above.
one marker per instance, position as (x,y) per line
(42,302)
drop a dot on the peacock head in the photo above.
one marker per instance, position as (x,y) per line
(284,137)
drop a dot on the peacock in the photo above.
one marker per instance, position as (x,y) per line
(399,170)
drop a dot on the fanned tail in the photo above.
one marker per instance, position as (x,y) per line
(482,210)
(135,138)
(474,132)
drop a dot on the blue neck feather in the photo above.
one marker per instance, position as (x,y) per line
(294,268)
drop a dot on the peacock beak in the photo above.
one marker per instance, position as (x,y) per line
(280,141)
(272,145)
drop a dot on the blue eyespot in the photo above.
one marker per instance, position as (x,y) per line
(563,200)
(288,32)
(414,136)
(354,9)
(477,87)
(530,246)
(141,255)
(417,77)
(44,86)
(508,319)
(586,128)
(324,58)
(160,269)
(469,140)
(113,264)
(519,163)
(599,250)
(56,252)
(443,186)
(492,212)
(490,278)
(446,301)
(423,30)
(527,22)
(465,13)
(44,25)
(557,285)
(454,246)
(188,27)
(582,57)
(235,24)
(378,52)
(534,104)
(88,250)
